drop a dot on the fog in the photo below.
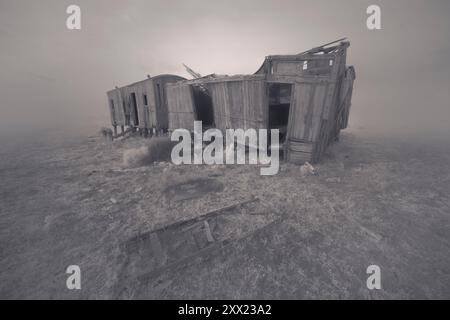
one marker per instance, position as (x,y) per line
(53,78)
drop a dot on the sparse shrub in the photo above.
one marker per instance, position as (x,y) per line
(107,133)
(158,149)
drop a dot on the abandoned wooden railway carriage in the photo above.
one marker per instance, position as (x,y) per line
(306,96)
(141,105)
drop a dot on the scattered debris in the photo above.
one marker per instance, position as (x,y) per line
(307,169)
(208,231)
(375,236)
(148,255)
(160,255)
(90,173)
(194,74)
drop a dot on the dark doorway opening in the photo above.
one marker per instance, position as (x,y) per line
(126,113)
(113,111)
(279,105)
(158,89)
(134,108)
(203,106)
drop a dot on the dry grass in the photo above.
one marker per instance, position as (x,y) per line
(371,202)
(107,133)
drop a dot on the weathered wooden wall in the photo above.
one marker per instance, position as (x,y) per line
(180,105)
(314,119)
(297,65)
(240,104)
(146,113)
(116,109)
(328,132)
(160,96)
(305,65)
(306,111)
(346,97)
(154,114)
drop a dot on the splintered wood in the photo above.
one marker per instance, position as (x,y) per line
(150,254)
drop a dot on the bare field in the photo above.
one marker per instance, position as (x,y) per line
(372,201)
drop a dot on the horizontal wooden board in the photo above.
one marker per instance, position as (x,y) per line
(302,147)
(299,157)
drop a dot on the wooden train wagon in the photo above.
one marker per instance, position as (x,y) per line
(307,97)
(142,104)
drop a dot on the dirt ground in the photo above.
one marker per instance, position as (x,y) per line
(373,201)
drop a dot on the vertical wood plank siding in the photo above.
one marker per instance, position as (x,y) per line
(239,104)
(180,106)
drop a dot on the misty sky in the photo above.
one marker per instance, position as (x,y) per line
(54,77)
